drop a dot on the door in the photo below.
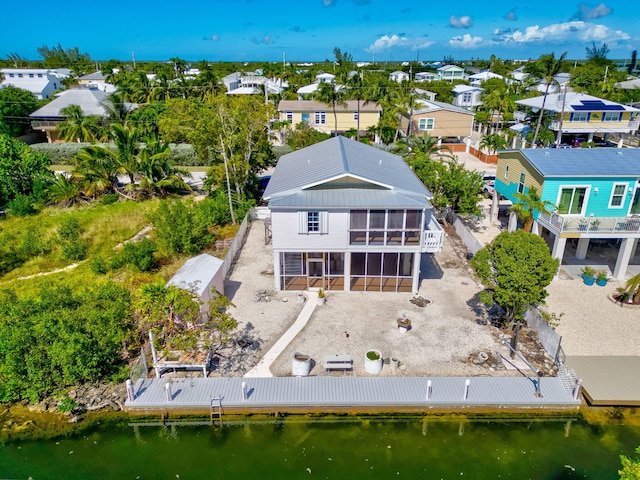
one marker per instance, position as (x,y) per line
(315,270)
(635,204)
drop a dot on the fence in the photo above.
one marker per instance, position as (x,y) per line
(484,157)
(236,244)
(140,368)
(472,244)
(551,341)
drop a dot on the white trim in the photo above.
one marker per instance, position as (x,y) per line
(586,198)
(633,195)
(622,195)
(426,123)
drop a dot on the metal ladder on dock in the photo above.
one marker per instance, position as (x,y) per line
(215,409)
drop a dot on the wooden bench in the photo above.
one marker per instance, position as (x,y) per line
(337,362)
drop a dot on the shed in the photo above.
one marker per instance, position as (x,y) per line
(200,275)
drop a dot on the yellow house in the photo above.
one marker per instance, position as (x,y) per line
(439,120)
(320,115)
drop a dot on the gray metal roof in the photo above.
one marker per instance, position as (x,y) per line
(319,391)
(93,76)
(351,198)
(89,100)
(432,105)
(196,273)
(323,164)
(584,162)
(313,105)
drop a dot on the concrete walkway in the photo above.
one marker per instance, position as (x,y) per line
(262,369)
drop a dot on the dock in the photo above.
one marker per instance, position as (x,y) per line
(347,393)
(608,381)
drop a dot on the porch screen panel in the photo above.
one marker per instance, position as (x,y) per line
(565,200)
(578,200)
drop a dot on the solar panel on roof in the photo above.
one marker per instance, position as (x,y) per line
(597,105)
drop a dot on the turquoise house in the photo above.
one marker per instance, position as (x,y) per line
(596,194)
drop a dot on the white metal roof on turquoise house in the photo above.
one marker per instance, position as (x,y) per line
(584,162)
(341,172)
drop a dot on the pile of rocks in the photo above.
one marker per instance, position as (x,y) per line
(86,398)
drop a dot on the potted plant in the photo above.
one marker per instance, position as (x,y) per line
(588,275)
(373,362)
(322,297)
(602,277)
(594,225)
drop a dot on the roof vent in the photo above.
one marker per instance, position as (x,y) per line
(546,152)
(619,152)
(380,162)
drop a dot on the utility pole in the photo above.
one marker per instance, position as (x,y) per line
(133,57)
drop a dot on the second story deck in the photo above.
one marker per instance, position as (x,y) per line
(595,227)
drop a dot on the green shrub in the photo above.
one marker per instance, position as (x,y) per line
(22,206)
(98,265)
(109,198)
(140,254)
(75,250)
(32,243)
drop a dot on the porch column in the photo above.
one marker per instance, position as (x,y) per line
(581,249)
(535,228)
(347,271)
(276,271)
(468,144)
(590,137)
(513,222)
(417,258)
(622,262)
(558,247)
(494,207)
(621,142)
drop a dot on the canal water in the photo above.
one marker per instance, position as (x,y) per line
(354,448)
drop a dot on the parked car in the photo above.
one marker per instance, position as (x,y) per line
(489,188)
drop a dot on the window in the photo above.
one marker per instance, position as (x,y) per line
(426,123)
(31,75)
(11,75)
(39,75)
(506,172)
(572,200)
(466,97)
(385,227)
(355,116)
(611,116)
(19,75)
(320,118)
(521,183)
(289,116)
(580,117)
(313,222)
(617,195)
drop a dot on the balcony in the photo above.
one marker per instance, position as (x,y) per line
(590,226)
(432,237)
(578,127)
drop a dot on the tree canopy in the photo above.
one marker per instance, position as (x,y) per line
(515,269)
(15,106)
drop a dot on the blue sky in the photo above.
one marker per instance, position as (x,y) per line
(248,30)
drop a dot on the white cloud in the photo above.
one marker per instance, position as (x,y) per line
(421,43)
(562,32)
(466,41)
(511,16)
(327,3)
(464,21)
(385,42)
(589,13)
(215,38)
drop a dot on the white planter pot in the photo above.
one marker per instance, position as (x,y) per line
(300,365)
(373,367)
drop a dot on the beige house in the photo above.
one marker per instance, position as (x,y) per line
(320,115)
(440,120)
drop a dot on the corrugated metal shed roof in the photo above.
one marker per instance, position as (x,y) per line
(196,273)
(584,162)
(340,157)
(319,391)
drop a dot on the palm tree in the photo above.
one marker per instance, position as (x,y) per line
(545,69)
(405,101)
(64,191)
(96,170)
(493,142)
(412,145)
(631,290)
(527,204)
(77,127)
(127,141)
(156,173)
(333,95)
(355,85)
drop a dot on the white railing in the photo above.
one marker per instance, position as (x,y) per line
(432,237)
(519,116)
(555,125)
(589,225)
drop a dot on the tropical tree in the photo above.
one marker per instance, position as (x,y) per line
(96,169)
(631,290)
(515,269)
(333,95)
(630,467)
(526,206)
(406,102)
(76,127)
(493,142)
(545,69)
(414,145)
(64,191)
(156,173)
(15,106)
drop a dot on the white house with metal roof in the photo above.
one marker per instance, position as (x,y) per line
(581,114)
(41,82)
(348,216)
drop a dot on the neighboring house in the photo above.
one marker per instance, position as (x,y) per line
(95,77)
(440,120)
(201,275)
(425,77)
(581,114)
(596,192)
(561,80)
(467,96)
(425,94)
(311,89)
(39,81)
(629,84)
(320,115)
(253,84)
(90,100)
(348,216)
(480,77)
(399,76)
(231,81)
(450,73)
